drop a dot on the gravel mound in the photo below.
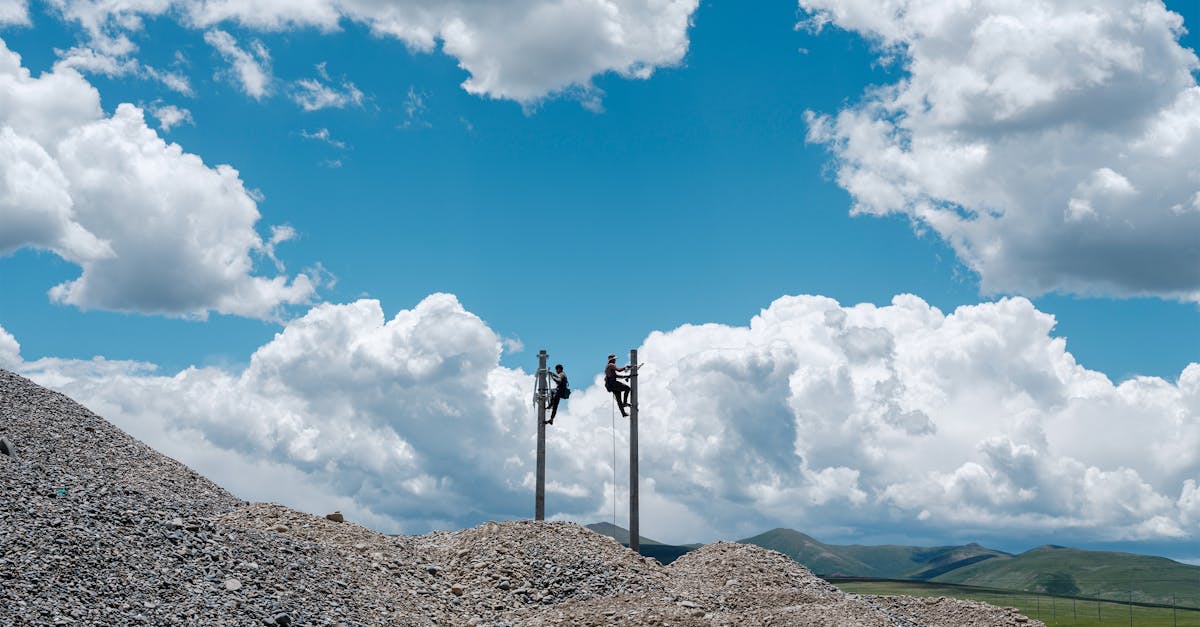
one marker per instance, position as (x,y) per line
(60,444)
(97,528)
(742,584)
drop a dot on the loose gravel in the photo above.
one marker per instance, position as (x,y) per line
(96,528)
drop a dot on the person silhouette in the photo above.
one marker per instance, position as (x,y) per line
(619,390)
(561,390)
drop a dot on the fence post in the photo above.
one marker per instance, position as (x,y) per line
(1131,602)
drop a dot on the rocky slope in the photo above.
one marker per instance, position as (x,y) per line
(97,528)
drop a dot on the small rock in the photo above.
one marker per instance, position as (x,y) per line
(688,604)
(233,585)
(457,590)
(282,619)
(281,528)
(6,448)
(335,517)
(175,523)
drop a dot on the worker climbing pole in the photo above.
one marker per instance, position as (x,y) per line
(539,399)
(626,396)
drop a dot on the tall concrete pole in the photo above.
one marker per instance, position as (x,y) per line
(634,532)
(539,507)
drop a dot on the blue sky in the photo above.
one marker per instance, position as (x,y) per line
(584,216)
(693,197)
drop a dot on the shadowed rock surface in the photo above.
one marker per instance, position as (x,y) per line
(97,528)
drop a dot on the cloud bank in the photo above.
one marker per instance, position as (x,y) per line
(522,50)
(859,421)
(14,12)
(1052,144)
(153,228)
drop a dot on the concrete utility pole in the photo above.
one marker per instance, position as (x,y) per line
(539,507)
(634,539)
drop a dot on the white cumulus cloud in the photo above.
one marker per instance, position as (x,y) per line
(10,350)
(887,420)
(153,228)
(14,12)
(1052,144)
(170,116)
(523,50)
(410,416)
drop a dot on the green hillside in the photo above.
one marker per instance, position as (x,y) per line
(914,562)
(817,556)
(620,534)
(887,561)
(1075,572)
(664,553)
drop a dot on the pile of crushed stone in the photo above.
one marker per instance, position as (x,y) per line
(99,529)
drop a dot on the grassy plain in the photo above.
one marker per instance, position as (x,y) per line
(1054,611)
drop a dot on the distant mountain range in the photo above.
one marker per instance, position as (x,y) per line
(620,534)
(1050,569)
(664,553)
(884,562)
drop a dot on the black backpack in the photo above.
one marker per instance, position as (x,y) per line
(564,391)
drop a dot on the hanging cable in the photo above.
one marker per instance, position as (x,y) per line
(614,442)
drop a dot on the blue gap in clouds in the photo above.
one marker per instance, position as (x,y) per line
(693,198)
